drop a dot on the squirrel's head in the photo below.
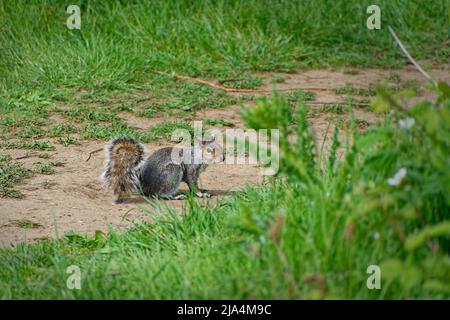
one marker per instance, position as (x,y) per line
(210,150)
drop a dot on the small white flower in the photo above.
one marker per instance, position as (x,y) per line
(406,123)
(376,236)
(397,178)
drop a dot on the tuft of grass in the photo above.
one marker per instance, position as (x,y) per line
(46,168)
(90,114)
(27,224)
(56,164)
(295,97)
(148,111)
(67,141)
(351,90)
(165,130)
(125,107)
(336,108)
(107,53)
(59,130)
(249,82)
(42,168)
(36,145)
(351,71)
(33,132)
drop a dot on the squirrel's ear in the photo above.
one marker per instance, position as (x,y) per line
(213,138)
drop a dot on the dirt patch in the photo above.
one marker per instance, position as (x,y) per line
(73,199)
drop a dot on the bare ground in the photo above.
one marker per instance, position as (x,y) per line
(73,199)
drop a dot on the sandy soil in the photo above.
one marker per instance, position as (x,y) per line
(73,199)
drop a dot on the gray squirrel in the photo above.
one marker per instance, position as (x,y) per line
(126,172)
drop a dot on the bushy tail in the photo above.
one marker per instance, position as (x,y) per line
(123,157)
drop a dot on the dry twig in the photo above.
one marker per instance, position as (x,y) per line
(92,152)
(232,90)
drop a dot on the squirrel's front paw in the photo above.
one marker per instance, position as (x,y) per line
(203,194)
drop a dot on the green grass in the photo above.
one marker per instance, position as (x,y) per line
(316,223)
(37,145)
(278,79)
(11,173)
(85,114)
(350,90)
(46,168)
(309,233)
(44,155)
(336,108)
(43,169)
(242,83)
(412,85)
(60,130)
(27,224)
(105,132)
(296,96)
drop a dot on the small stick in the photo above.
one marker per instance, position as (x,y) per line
(92,152)
(411,59)
(126,214)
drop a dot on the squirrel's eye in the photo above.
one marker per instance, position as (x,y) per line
(209,150)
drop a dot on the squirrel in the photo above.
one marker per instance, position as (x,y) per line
(126,172)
